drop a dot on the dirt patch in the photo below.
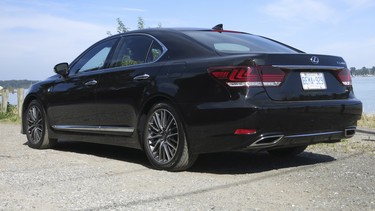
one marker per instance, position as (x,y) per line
(81,176)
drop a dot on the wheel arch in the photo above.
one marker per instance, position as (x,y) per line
(149,103)
(25,105)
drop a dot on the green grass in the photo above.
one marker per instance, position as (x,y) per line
(367,121)
(10,116)
(346,146)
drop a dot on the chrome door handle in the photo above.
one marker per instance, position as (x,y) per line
(91,83)
(141,77)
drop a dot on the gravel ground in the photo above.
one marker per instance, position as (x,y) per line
(81,176)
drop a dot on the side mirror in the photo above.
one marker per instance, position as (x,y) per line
(62,69)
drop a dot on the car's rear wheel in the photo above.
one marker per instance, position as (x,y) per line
(287,152)
(35,125)
(164,139)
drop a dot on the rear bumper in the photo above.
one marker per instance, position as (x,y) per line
(211,128)
(280,141)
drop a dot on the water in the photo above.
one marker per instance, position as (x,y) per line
(364,89)
(13,97)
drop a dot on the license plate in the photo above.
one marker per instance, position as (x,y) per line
(313,81)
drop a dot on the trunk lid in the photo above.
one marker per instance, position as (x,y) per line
(307,76)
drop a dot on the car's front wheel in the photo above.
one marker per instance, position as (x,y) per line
(165,141)
(35,125)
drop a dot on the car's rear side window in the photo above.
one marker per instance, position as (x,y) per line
(235,43)
(132,50)
(136,49)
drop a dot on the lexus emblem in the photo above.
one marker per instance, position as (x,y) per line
(314,60)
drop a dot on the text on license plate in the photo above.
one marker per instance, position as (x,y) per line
(313,81)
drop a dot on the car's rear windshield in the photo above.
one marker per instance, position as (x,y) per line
(235,43)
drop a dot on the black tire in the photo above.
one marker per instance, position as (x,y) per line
(165,141)
(287,152)
(35,125)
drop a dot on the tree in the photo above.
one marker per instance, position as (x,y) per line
(353,71)
(141,23)
(364,71)
(121,28)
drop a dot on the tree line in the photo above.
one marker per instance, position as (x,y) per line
(15,84)
(364,71)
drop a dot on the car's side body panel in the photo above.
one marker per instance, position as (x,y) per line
(71,102)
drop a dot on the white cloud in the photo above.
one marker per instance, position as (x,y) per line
(34,42)
(132,9)
(357,53)
(360,4)
(342,28)
(302,10)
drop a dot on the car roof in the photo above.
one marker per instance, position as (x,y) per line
(174,29)
(179,31)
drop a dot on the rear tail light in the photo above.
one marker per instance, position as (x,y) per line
(244,76)
(345,77)
(272,76)
(236,76)
(245,131)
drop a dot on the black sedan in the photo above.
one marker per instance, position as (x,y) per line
(178,93)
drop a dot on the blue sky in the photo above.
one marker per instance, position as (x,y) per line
(37,34)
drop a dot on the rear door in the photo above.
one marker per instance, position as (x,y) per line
(124,86)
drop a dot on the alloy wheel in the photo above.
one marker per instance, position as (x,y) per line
(162,136)
(35,124)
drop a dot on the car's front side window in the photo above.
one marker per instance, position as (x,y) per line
(95,58)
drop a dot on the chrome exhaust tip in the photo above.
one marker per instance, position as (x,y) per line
(349,132)
(267,140)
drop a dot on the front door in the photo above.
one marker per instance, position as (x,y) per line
(72,100)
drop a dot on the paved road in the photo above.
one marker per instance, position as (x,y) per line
(81,176)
